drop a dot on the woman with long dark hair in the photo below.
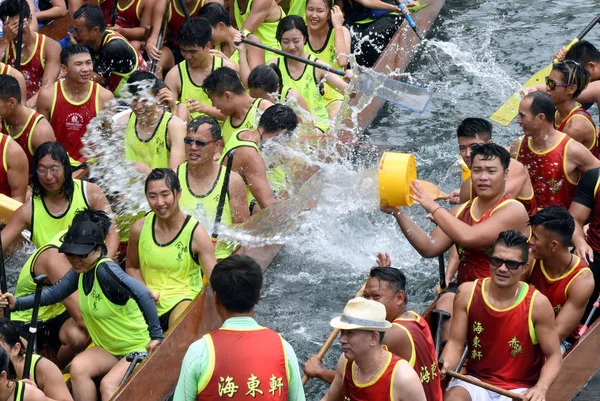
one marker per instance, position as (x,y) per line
(56,198)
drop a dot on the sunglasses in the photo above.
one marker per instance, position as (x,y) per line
(188,141)
(72,255)
(552,84)
(510,264)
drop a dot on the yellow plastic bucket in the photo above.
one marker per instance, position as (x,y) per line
(396,173)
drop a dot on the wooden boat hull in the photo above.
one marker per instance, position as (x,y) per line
(579,365)
(158,375)
(396,57)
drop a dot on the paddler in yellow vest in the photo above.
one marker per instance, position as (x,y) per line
(43,372)
(228,95)
(265,82)
(257,362)
(292,34)
(154,137)
(329,41)
(225,39)
(118,310)
(22,391)
(259,17)
(203,189)
(56,198)
(62,327)
(169,251)
(265,184)
(185,81)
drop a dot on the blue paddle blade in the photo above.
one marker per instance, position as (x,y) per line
(407,96)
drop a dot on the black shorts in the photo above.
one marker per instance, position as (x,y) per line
(47,332)
(164,318)
(380,32)
(451,287)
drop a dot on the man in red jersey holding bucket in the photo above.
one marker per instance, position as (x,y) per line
(508,326)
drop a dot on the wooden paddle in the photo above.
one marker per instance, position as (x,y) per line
(432,190)
(327,344)
(509,110)
(484,385)
(408,96)
(412,24)
(586,325)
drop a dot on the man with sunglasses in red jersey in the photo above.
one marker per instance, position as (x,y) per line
(553,159)
(473,227)
(564,278)
(564,83)
(509,328)
(208,187)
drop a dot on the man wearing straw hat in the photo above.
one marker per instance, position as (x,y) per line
(409,337)
(509,329)
(367,370)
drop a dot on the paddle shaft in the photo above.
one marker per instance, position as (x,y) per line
(31,340)
(186,13)
(20,35)
(294,57)
(442,270)
(586,325)
(484,385)
(327,344)
(113,15)
(159,41)
(588,28)
(223,195)
(3,285)
(412,24)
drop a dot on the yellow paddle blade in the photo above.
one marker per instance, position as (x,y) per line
(7,207)
(509,110)
(432,190)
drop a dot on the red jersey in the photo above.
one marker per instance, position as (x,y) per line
(555,289)
(69,119)
(423,360)
(378,389)
(547,170)
(23,138)
(593,233)
(177,18)
(32,68)
(247,364)
(503,351)
(529,203)
(4,187)
(475,262)
(580,112)
(127,17)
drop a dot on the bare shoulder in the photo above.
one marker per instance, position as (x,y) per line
(136,228)
(516,167)
(265,104)
(52,48)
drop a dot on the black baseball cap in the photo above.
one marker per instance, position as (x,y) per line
(82,238)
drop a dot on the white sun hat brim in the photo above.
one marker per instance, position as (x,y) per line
(351,323)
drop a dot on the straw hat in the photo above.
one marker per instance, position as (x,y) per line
(362,314)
